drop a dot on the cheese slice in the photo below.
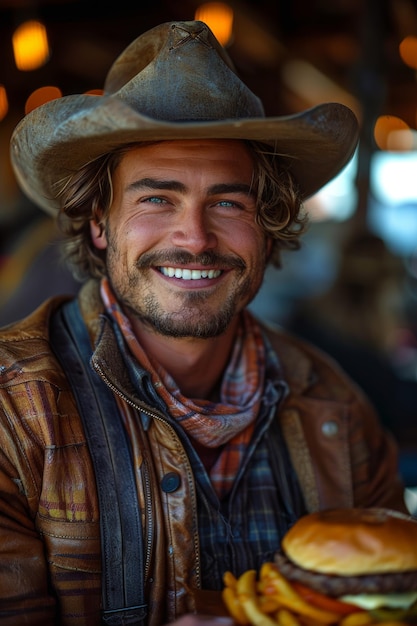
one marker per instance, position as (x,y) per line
(375,601)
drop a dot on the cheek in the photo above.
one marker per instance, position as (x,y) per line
(252,243)
(132,238)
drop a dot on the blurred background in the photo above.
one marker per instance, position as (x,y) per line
(352,288)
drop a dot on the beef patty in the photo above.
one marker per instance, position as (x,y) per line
(336,586)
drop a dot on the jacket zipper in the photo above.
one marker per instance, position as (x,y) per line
(148,500)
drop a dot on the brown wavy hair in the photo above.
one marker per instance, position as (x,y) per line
(88,193)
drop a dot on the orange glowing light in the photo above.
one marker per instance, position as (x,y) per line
(392,133)
(408,51)
(40,96)
(30,45)
(4,104)
(219,18)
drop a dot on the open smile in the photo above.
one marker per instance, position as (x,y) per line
(187,274)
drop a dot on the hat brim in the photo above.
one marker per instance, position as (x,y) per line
(56,139)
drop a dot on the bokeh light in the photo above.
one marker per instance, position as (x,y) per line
(4,104)
(40,96)
(219,18)
(30,45)
(408,51)
(392,133)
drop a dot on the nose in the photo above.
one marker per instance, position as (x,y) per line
(194,231)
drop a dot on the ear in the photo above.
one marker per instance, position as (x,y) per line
(98,235)
(269,246)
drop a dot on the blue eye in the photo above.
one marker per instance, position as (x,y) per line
(154,200)
(230,204)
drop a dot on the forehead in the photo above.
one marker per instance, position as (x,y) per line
(232,153)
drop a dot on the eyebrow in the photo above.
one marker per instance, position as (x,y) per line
(155,183)
(231,188)
(175,185)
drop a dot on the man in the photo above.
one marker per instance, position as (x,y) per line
(154,434)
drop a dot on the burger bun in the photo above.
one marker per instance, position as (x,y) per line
(353,542)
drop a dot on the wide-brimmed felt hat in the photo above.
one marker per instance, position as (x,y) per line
(175,81)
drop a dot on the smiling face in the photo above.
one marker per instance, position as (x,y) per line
(184,254)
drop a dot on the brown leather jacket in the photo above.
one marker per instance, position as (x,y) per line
(50,565)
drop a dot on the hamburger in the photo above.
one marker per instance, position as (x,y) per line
(350,560)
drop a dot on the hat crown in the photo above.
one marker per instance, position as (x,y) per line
(178,71)
(174,82)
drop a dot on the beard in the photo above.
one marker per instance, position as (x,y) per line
(194,320)
(194,317)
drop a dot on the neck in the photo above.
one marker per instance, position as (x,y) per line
(196,365)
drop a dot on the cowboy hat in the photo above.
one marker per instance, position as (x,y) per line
(173,82)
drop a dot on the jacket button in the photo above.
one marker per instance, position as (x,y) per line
(170,482)
(329,429)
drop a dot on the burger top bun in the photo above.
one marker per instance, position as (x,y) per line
(353,542)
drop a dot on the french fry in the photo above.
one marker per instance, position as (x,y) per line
(272,601)
(363,618)
(255,615)
(246,590)
(301,607)
(267,604)
(286,618)
(234,606)
(246,585)
(229,580)
(279,588)
(275,583)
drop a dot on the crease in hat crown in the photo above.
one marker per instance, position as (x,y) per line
(173,82)
(203,84)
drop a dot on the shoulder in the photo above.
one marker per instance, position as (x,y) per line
(308,369)
(25,347)
(25,351)
(37,407)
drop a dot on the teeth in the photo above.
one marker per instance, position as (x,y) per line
(187,274)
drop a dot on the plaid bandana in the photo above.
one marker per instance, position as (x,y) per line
(230,421)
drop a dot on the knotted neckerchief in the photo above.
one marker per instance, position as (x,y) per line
(230,421)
